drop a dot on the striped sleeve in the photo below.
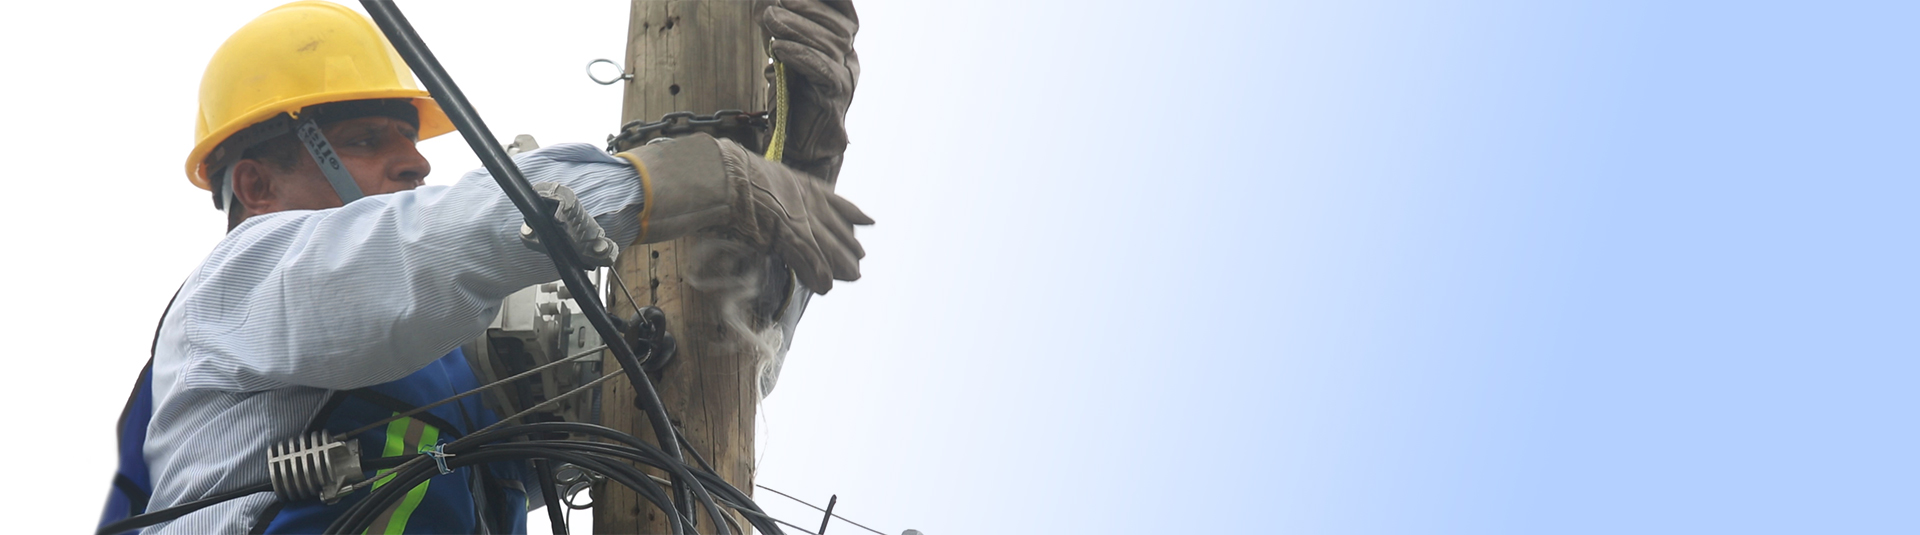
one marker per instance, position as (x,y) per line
(369,292)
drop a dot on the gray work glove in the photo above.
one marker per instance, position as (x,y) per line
(815,40)
(697,183)
(588,238)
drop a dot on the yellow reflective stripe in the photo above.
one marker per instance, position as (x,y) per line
(397,523)
(396,444)
(396,437)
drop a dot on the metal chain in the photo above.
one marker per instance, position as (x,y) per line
(744,128)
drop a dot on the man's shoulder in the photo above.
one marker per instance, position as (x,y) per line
(277,230)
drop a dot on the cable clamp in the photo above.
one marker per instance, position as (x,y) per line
(439,455)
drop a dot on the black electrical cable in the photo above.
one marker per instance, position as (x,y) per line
(625,475)
(690,449)
(674,466)
(729,495)
(713,481)
(384,492)
(534,428)
(549,497)
(383,463)
(688,446)
(143,520)
(593,456)
(640,451)
(700,491)
(362,514)
(417,470)
(397,481)
(607,458)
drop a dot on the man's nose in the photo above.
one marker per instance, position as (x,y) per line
(411,168)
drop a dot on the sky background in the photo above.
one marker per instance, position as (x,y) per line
(1348,267)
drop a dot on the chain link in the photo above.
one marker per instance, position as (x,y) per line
(747,129)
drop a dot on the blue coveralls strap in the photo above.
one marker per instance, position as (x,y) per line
(444,504)
(485,499)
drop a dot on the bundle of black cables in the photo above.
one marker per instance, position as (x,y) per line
(614,457)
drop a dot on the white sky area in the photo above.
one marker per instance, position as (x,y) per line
(1251,267)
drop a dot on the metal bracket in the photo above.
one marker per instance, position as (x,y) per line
(522,143)
(536,326)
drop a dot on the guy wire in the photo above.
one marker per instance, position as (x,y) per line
(481,388)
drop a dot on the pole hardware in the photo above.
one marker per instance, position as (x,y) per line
(646,330)
(624,75)
(522,143)
(574,481)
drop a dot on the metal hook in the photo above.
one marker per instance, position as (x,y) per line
(624,75)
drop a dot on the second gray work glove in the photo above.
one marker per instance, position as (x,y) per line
(814,38)
(588,238)
(697,183)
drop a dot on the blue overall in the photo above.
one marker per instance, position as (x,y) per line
(486,499)
(449,503)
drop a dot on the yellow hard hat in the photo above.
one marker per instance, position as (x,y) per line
(294,56)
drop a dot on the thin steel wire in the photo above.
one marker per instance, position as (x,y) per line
(623,289)
(481,388)
(817,508)
(782,522)
(609,374)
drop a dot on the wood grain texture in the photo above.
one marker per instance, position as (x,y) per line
(698,56)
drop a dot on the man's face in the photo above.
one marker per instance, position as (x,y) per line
(378,151)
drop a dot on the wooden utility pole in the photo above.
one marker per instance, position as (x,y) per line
(699,56)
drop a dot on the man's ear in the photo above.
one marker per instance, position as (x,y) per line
(253,184)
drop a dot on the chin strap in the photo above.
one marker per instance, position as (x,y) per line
(223,192)
(322,152)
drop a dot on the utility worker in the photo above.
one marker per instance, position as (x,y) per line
(344,285)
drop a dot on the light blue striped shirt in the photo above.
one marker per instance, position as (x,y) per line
(293,304)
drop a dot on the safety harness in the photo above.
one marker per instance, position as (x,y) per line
(483,499)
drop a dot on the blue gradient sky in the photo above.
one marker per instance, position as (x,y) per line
(1481,267)
(1271,267)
